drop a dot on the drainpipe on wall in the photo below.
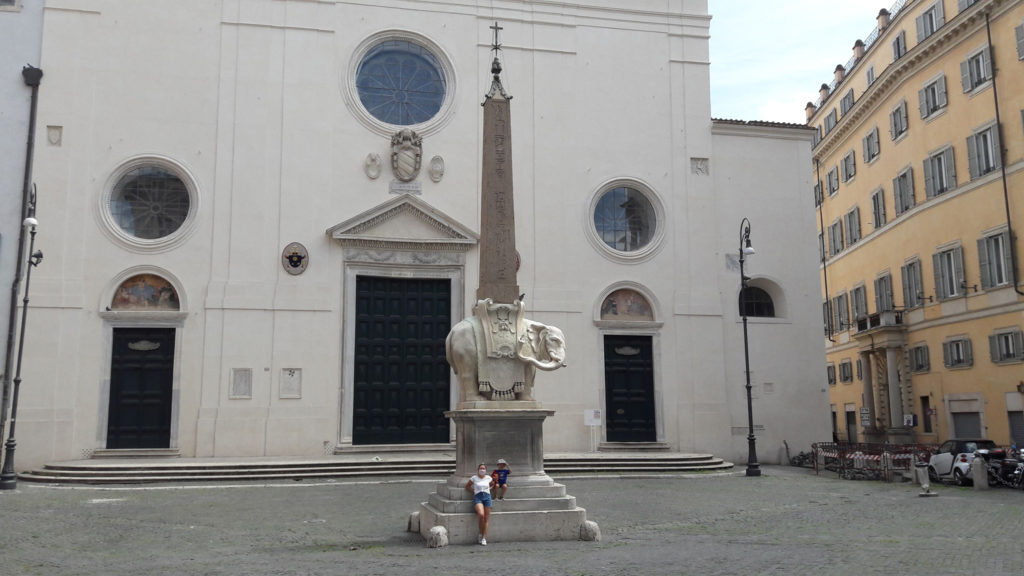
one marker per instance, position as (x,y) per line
(1002,161)
(821,245)
(32,76)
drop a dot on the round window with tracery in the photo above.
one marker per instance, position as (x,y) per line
(401,83)
(149,202)
(625,219)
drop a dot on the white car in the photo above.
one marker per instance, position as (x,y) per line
(952,461)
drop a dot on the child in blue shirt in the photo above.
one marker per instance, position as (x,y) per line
(500,476)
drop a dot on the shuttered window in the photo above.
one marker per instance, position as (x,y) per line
(919,361)
(852,223)
(883,293)
(878,208)
(913,289)
(949,273)
(1006,347)
(976,70)
(994,261)
(898,120)
(932,97)
(983,152)
(849,166)
(899,45)
(929,21)
(903,191)
(957,353)
(939,173)
(870,145)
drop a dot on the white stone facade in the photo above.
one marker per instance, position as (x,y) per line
(252,103)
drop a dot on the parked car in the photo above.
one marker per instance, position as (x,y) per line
(952,460)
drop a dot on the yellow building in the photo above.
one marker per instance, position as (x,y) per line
(919,161)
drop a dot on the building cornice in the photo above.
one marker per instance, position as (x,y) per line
(897,73)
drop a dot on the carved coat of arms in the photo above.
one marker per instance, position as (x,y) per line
(406,154)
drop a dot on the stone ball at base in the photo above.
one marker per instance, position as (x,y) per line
(590,531)
(438,537)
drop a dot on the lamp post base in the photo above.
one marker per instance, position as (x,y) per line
(8,479)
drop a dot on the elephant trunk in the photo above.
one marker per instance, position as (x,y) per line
(554,364)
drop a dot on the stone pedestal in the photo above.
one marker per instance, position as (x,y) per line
(535,507)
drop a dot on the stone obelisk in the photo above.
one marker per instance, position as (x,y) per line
(495,355)
(498,260)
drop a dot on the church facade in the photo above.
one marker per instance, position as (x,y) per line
(263,219)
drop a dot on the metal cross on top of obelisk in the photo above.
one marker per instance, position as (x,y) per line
(496,87)
(498,259)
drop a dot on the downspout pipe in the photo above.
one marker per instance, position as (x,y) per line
(821,246)
(32,77)
(1002,162)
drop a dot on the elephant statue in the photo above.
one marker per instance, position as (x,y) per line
(538,347)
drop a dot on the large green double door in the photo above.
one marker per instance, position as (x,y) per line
(402,382)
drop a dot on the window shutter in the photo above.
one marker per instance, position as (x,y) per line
(919,22)
(993,347)
(949,163)
(896,195)
(997,148)
(946,354)
(892,125)
(911,200)
(855,224)
(958,266)
(876,145)
(940,289)
(940,91)
(925,359)
(968,353)
(878,295)
(929,183)
(1007,259)
(903,114)
(908,298)
(962,5)
(972,156)
(986,282)
(965,75)
(986,67)
(867,147)
(1019,31)
(853,163)
(1018,345)
(940,17)
(922,101)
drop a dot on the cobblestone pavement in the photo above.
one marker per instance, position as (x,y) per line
(789,521)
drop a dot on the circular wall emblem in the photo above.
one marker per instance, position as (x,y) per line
(295,258)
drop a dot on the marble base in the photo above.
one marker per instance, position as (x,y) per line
(535,508)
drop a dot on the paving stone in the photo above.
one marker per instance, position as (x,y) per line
(788,521)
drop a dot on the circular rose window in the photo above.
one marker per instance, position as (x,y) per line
(625,219)
(149,203)
(400,82)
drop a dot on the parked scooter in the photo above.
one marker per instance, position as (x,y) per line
(1002,469)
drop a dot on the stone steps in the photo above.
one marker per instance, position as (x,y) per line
(152,469)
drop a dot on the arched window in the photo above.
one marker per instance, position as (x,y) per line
(756,302)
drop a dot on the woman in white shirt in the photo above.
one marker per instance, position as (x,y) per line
(480,486)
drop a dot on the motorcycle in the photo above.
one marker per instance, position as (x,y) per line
(1003,470)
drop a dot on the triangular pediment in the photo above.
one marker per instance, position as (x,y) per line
(404,223)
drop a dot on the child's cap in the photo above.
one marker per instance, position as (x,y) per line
(502,461)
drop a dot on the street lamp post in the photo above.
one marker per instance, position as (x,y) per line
(8,478)
(753,468)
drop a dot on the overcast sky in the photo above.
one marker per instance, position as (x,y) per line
(768,58)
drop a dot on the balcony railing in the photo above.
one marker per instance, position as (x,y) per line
(880,320)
